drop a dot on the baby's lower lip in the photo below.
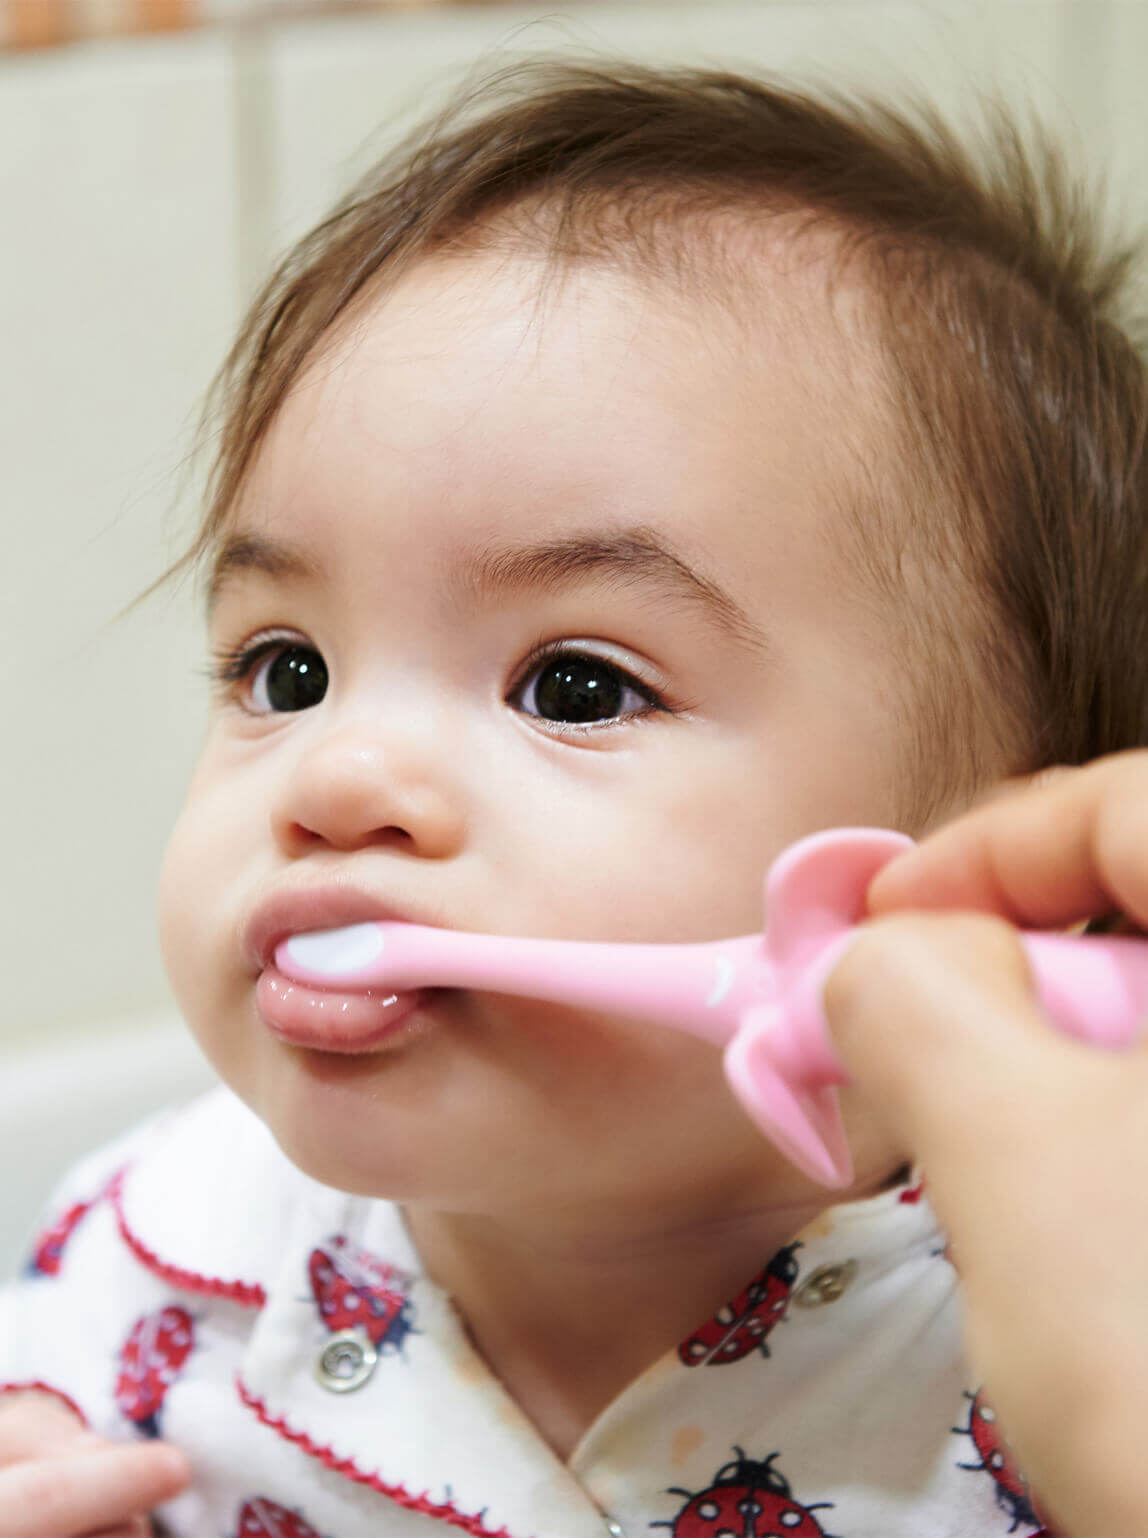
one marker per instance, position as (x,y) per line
(330,1020)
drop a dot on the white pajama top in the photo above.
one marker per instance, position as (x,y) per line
(190,1283)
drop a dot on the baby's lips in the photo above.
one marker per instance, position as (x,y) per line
(348,954)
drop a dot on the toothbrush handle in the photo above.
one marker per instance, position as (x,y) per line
(1094,988)
(783,1067)
(703,989)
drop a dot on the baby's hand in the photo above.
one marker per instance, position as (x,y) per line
(59,1480)
(1034,1146)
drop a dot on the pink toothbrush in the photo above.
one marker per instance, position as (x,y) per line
(758,996)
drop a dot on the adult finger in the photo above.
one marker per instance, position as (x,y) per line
(932,1014)
(1069,847)
(1033,1145)
(935,1018)
(85,1492)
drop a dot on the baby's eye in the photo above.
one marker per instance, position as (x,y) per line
(276,676)
(579,689)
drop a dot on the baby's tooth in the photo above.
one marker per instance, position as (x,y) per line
(336,952)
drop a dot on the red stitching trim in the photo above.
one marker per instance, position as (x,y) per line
(34,1385)
(250,1293)
(347,1466)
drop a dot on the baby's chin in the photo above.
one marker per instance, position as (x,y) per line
(365,1142)
(349,1163)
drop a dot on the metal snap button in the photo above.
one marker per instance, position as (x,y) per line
(346,1361)
(825,1285)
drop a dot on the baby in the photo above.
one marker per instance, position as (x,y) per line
(640,472)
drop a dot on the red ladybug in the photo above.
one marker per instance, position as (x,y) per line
(353,1287)
(48,1250)
(996,1458)
(261,1518)
(743,1324)
(746,1500)
(150,1361)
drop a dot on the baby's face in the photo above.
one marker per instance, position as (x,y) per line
(539,622)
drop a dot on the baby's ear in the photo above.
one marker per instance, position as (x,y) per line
(817,888)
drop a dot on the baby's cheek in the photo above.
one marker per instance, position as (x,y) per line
(189,919)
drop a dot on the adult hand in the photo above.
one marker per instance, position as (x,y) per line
(59,1480)
(1034,1146)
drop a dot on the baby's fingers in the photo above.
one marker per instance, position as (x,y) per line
(1067,847)
(138,1527)
(94,1491)
(34,1424)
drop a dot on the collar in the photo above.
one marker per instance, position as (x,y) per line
(335,1289)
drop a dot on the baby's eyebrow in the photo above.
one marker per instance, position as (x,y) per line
(635,556)
(244,551)
(629,556)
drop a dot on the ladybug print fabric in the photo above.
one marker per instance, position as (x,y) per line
(150,1360)
(173,1314)
(261,1518)
(747,1499)
(353,1288)
(48,1250)
(743,1324)
(996,1458)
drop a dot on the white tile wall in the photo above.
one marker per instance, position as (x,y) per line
(117,294)
(337,96)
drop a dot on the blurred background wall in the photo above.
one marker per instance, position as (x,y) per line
(147,180)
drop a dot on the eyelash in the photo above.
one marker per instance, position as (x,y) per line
(233,665)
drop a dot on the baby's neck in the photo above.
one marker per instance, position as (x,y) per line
(567,1311)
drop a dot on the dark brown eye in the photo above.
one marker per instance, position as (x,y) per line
(578,689)
(288,678)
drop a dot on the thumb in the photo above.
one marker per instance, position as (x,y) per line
(1035,1149)
(936,1019)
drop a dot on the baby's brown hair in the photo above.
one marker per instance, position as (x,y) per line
(1003,346)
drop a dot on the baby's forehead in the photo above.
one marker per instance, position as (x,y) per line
(604,396)
(603,372)
(771,305)
(596,413)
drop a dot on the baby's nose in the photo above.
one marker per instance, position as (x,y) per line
(355,787)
